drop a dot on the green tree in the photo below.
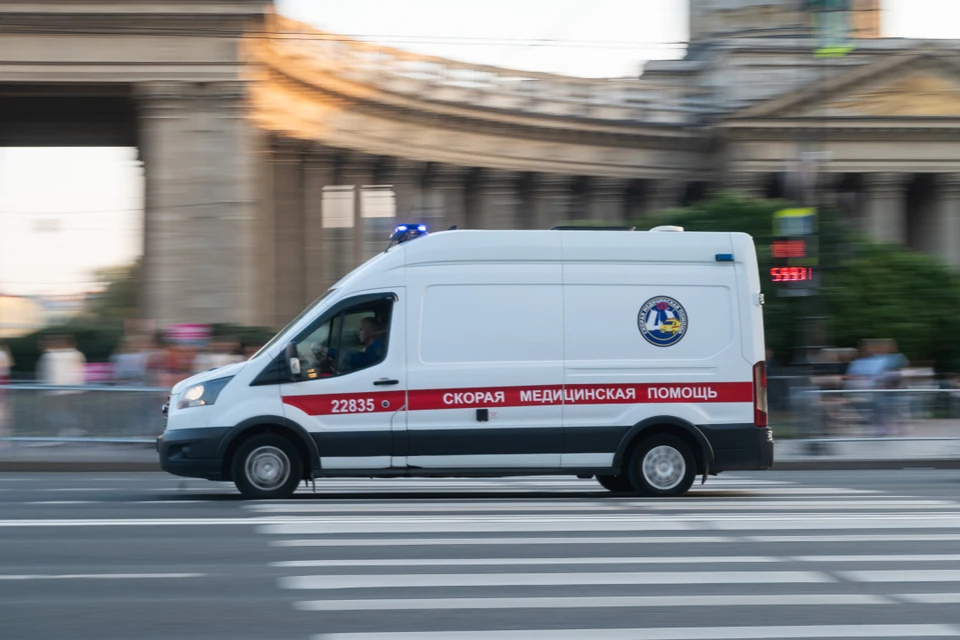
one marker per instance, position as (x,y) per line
(869,290)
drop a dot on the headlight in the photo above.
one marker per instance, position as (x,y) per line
(204,394)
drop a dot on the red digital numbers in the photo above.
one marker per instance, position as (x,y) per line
(791,274)
(788,248)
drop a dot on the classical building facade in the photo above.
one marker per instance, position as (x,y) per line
(278,157)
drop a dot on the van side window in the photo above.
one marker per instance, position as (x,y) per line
(354,339)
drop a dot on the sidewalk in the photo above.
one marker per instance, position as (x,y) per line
(936,452)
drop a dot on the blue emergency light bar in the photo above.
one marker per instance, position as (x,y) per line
(406,232)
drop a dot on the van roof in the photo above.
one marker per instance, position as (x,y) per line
(577,245)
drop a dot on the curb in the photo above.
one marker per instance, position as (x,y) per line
(116,466)
(77,466)
(865,465)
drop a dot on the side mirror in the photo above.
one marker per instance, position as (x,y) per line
(293,360)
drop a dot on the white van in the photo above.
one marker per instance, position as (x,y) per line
(634,357)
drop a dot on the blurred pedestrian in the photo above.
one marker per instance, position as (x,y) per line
(6,364)
(130,362)
(220,353)
(250,349)
(892,402)
(62,365)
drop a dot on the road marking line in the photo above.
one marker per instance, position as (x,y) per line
(720,505)
(432,542)
(673,633)
(929,598)
(135,522)
(465,562)
(61,502)
(590,602)
(909,537)
(550,579)
(930,575)
(301,529)
(422,507)
(881,558)
(103,576)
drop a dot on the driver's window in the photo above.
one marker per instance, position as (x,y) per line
(354,339)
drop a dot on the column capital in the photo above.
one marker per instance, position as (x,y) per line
(499,179)
(445,176)
(406,169)
(544,183)
(608,185)
(316,157)
(748,182)
(158,99)
(948,184)
(287,151)
(886,182)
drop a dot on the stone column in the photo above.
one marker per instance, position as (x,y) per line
(235,212)
(338,201)
(886,207)
(751,185)
(662,194)
(607,200)
(447,181)
(406,177)
(377,205)
(357,171)
(548,200)
(164,127)
(498,200)
(319,171)
(263,255)
(947,221)
(200,195)
(289,231)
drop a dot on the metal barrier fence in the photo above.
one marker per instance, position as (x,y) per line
(802,411)
(31,412)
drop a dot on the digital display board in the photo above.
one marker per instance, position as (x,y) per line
(794,252)
(791,274)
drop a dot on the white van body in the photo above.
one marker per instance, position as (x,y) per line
(635,357)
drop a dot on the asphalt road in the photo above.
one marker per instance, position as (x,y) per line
(870,554)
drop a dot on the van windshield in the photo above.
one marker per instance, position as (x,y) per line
(309,309)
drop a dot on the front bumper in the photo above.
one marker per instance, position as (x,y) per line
(193,453)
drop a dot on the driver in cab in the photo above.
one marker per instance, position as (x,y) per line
(370,352)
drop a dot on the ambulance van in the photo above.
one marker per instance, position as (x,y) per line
(635,357)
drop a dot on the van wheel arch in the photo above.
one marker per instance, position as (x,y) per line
(309,455)
(702,450)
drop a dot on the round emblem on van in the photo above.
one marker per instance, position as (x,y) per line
(662,321)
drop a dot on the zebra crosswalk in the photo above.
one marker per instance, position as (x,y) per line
(531,559)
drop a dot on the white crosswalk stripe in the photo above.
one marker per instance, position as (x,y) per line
(365,546)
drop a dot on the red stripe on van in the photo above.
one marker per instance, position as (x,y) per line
(585,394)
(348,403)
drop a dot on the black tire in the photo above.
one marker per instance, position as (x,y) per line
(617,484)
(267,466)
(671,467)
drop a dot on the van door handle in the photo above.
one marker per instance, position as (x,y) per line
(384,382)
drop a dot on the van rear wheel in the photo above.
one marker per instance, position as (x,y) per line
(617,484)
(267,466)
(662,466)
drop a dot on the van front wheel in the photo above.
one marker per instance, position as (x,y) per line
(662,466)
(267,466)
